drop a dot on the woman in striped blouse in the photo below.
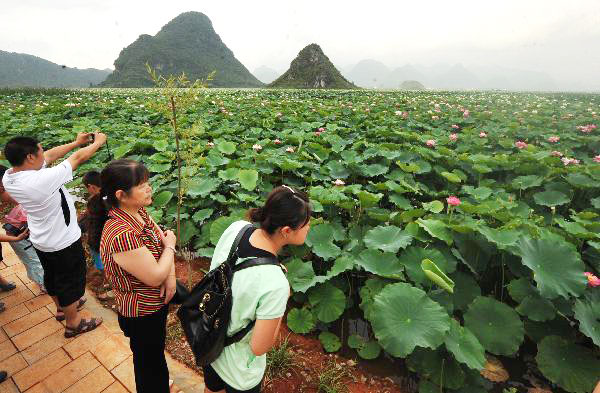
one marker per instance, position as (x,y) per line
(139,263)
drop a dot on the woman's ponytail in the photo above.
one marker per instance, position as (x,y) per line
(98,216)
(284,206)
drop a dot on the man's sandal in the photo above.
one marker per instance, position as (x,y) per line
(61,317)
(9,286)
(86,325)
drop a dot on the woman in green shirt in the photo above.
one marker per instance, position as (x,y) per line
(259,293)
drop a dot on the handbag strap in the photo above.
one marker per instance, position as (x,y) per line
(232,257)
(245,265)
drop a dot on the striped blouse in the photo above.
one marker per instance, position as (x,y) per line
(122,232)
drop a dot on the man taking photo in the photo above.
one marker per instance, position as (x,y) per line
(52,219)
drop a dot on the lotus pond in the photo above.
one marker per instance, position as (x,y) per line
(460,230)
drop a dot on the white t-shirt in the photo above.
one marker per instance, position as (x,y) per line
(38,193)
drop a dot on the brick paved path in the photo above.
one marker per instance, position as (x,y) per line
(39,359)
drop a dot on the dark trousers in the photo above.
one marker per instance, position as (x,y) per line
(147,342)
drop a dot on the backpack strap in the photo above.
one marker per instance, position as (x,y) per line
(232,257)
(245,265)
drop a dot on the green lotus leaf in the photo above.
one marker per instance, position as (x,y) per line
(355,341)
(412,258)
(162,198)
(501,237)
(480,193)
(403,308)
(400,201)
(374,170)
(434,206)
(330,342)
(437,229)
(370,350)
(337,170)
(188,230)
(436,275)
(466,290)
(161,145)
(229,174)
(571,366)
(368,199)
(465,347)
(387,238)
(218,226)
(525,182)
(248,178)
(557,266)
(377,262)
(521,288)
(595,202)
(574,228)
(587,312)
(436,366)
(367,293)
(451,177)
(300,320)
(226,147)
(537,308)
(302,276)
(328,302)
(202,187)
(156,167)
(201,215)
(321,239)
(551,198)
(496,325)
(341,264)
(581,180)
(120,152)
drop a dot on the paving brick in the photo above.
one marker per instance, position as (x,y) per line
(14,269)
(35,288)
(19,287)
(2,265)
(3,336)
(39,371)
(7,349)
(26,322)
(17,297)
(36,333)
(116,387)
(24,278)
(45,346)
(95,382)
(67,376)
(8,386)
(124,373)
(112,351)
(38,302)
(13,364)
(12,314)
(86,341)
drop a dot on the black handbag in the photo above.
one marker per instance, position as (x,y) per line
(205,312)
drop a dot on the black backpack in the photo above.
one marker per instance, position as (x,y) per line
(205,312)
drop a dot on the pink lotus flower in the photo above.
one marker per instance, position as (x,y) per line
(569,161)
(482,134)
(257,147)
(556,153)
(279,114)
(430,143)
(453,137)
(339,182)
(277,142)
(587,128)
(466,113)
(520,144)
(597,158)
(435,117)
(398,113)
(455,126)
(321,129)
(210,144)
(593,281)
(453,201)
(290,149)
(553,139)
(318,133)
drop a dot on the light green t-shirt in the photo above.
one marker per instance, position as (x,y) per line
(260,292)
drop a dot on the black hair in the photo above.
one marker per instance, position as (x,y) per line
(2,170)
(118,175)
(285,206)
(18,148)
(91,178)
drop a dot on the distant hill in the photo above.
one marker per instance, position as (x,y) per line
(374,74)
(311,69)
(187,44)
(368,73)
(411,85)
(20,70)
(266,74)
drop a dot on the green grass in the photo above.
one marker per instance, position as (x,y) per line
(331,379)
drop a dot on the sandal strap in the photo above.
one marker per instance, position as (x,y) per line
(85,325)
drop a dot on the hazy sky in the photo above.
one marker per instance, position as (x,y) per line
(559,37)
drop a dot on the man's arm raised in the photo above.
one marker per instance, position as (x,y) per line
(60,151)
(84,154)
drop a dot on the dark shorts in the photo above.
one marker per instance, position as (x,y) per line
(64,273)
(214,383)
